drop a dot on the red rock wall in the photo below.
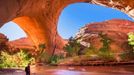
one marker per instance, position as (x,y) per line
(117,30)
(39,18)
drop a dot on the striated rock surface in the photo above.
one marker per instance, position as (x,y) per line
(115,29)
(22,43)
(16,45)
(39,18)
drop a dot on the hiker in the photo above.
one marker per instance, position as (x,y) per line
(27,69)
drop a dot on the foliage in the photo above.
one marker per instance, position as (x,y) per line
(90,51)
(131,38)
(127,55)
(106,55)
(73,47)
(106,42)
(55,58)
(20,59)
(104,52)
(42,55)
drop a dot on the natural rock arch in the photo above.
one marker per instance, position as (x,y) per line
(39,18)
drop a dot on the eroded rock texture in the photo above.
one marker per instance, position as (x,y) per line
(16,45)
(22,43)
(116,30)
(39,18)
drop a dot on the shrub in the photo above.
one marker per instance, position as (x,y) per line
(90,51)
(42,55)
(131,38)
(20,59)
(106,55)
(127,55)
(55,58)
(106,42)
(73,47)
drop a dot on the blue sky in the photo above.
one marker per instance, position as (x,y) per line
(71,20)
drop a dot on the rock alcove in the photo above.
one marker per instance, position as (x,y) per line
(39,18)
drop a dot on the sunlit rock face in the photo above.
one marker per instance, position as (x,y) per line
(116,29)
(39,18)
(16,45)
(22,43)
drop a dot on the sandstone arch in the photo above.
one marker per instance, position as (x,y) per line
(39,18)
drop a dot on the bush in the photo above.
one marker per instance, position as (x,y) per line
(106,55)
(42,55)
(90,51)
(55,58)
(127,55)
(72,48)
(20,59)
(131,38)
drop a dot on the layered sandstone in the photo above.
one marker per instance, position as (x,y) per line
(16,45)
(116,30)
(22,43)
(39,18)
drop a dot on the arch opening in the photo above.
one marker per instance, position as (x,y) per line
(12,31)
(76,15)
(15,38)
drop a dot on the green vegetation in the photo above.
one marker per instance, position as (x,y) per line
(106,42)
(131,39)
(90,51)
(105,52)
(106,56)
(55,58)
(42,55)
(20,59)
(72,48)
(129,54)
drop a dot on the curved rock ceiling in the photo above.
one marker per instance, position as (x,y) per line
(39,18)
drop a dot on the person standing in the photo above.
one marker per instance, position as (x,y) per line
(27,69)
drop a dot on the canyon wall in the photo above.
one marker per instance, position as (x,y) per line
(39,18)
(116,30)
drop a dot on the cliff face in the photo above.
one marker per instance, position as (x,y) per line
(22,43)
(115,29)
(3,42)
(16,45)
(39,18)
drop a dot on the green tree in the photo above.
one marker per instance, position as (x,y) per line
(73,47)
(42,55)
(129,54)
(105,52)
(131,39)
(106,42)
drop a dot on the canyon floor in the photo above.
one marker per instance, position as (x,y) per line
(75,70)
